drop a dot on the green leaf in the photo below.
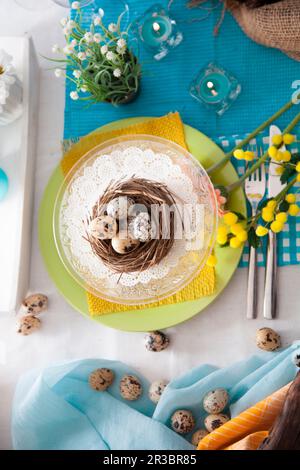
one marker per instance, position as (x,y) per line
(253,239)
(295,157)
(240,216)
(288,172)
(225,244)
(284,206)
(263,203)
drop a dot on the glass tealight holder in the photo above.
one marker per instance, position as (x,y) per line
(158,31)
(215,88)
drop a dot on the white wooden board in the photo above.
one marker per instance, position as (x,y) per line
(17,158)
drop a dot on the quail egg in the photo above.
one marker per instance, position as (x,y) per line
(214,421)
(198,436)
(130,387)
(103,227)
(156,389)
(215,401)
(183,421)
(123,244)
(118,208)
(267,339)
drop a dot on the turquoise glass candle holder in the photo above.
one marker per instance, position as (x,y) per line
(215,88)
(3,184)
(157,31)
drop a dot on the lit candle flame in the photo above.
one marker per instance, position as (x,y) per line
(211,88)
(156,27)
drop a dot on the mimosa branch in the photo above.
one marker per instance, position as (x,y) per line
(261,160)
(253,134)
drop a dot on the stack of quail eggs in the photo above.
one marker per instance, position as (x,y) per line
(214,403)
(124,222)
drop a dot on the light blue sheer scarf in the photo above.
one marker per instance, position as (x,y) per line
(56,408)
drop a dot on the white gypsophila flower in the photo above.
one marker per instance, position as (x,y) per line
(117,73)
(73,43)
(88,37)
(97,38)
(97,20)
(101,12)
(75,5)
(121,51)
(113,28)
(121,43)
(81,55)
(68,49)
(67,31)
(58,73)
(104,49)
(84,89)
(64,21)
(55,48)
(110,56)
(6,69)
(77,73)
(74,95)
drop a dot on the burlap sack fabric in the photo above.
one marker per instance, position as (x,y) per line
(276,25)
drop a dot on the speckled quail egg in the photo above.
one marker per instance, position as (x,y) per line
(103,227)
(130,387)
(214,421)
(136,209)
(101,379)
(156,389)
(215,401)
(28,324)
(35,304)
(198,436)
(118,207)
(183,421)
(123,244)
(140,227)
(267,339)
(156,341)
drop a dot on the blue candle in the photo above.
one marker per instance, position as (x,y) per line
(156,30)
(3,184)
(214,87)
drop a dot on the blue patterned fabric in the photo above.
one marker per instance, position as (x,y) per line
(55,408)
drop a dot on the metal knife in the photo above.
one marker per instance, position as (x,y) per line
(274,187)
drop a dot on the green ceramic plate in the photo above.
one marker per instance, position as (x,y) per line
(150,318)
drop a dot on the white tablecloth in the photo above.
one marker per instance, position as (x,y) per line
(219,335)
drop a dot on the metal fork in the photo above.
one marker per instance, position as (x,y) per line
(255,188)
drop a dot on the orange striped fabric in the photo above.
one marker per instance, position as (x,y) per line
(247,430)
(251,442)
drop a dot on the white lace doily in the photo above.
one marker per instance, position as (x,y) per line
(90,184)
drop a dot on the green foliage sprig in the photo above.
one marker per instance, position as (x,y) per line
(97,60)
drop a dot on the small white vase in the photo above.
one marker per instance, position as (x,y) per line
(12,109)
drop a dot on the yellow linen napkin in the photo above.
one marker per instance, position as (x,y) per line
(170,127)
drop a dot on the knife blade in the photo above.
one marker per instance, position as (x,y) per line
(274,187)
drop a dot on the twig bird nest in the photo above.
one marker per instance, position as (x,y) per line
(131,227)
